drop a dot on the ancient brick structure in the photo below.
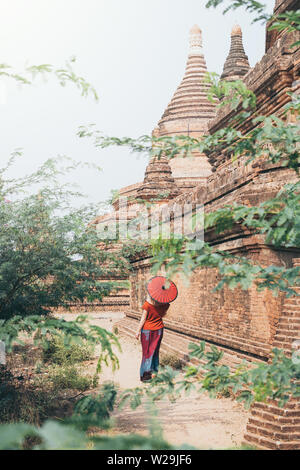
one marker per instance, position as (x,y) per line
(159,185)
(236,64)
(244,324)
(188,113)
(271,426)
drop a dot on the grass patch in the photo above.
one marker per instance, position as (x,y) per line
(39,383)
(71,377)
(48,395)
(58,351)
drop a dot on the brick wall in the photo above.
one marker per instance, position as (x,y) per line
(271,426)
(242,320)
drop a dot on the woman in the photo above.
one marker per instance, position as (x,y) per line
(151,331)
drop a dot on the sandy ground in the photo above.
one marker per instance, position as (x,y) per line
(197,420)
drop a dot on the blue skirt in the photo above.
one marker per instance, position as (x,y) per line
(150,340)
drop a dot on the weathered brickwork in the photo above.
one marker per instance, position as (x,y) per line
(109,305)
(271,426)
(241,320)
(236,64)
(280,7)
(274,428)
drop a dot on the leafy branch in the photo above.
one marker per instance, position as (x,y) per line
(63,75)
(252,6)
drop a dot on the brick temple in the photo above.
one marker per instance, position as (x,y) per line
(246,325)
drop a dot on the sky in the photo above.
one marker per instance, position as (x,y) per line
(132,51)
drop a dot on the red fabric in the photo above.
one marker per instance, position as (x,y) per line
(150,343)
(154,316)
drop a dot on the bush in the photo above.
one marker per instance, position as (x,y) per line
(171,360)
(32,392)
(57,351)
(22,401)
(30,398)
(71,377)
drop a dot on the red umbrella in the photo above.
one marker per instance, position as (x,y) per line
(162,290)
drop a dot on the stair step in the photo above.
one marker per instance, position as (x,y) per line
(289,311)
(288,325)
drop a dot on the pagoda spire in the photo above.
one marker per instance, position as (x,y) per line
(189,110)
(158,185)
(236,64)
(188,113)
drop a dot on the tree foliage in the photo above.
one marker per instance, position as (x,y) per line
(65,74)
(48,253)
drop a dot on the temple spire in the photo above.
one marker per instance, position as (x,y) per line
(188,113)
(236,64)
(158,184)
(189,110)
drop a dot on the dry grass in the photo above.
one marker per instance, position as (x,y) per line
(171,360)
(37,384)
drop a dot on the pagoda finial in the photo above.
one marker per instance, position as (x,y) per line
(236,30)
(195,41)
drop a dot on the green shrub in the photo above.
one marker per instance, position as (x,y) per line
(58,351)
(171,360)
(39,367)
(33,393)
(71,377)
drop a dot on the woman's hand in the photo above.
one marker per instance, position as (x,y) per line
(137,335)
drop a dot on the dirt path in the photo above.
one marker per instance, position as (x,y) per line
(197,420)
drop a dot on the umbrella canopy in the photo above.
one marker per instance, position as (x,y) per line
(162,290)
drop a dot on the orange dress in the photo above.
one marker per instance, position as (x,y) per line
(154,316)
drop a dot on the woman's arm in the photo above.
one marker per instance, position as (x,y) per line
(141,324)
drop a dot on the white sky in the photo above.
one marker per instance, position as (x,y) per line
(133,52)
